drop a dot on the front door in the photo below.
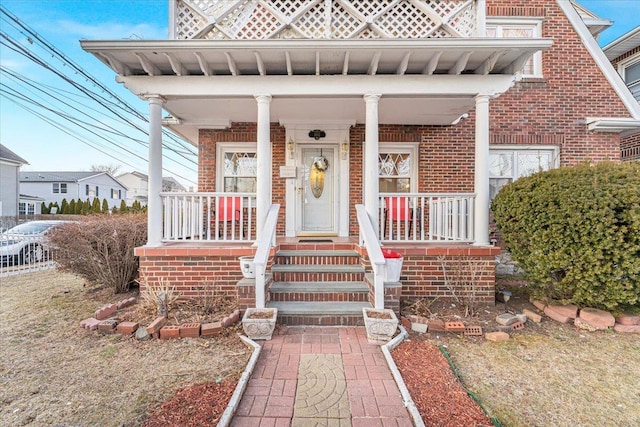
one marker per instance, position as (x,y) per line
(318,196)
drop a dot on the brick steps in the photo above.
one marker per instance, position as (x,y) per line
(319,313)
(319,291)
(319,286)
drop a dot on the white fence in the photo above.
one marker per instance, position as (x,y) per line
(424,217)
(24,254)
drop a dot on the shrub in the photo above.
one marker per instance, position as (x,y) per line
(100,249)
(576,233)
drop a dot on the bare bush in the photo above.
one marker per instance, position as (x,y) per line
(158,297)
(462,275)
(100,249)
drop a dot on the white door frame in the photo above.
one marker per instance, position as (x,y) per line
(337,133)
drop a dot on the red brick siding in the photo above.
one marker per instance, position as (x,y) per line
(625,55)
(242,132)
(631,147)
(572,89)
(192,276)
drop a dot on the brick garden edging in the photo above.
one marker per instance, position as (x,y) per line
(590,319)
(105,321)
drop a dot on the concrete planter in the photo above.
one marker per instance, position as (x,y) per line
(259,328)
(380,324)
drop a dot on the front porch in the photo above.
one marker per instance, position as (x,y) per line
(318,280)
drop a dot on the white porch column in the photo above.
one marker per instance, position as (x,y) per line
(371,143)
(481,220)
(154,204)
(263,190)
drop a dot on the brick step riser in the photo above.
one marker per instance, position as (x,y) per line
(318,247)
(320,296)
(281,276)
(320,320)
(316,260)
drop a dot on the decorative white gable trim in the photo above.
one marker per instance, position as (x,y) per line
(612,124)
(600,58)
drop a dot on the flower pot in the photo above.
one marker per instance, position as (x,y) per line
(380,324)
(247,267)
(259,323)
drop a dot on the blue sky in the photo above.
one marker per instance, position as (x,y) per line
(63,22)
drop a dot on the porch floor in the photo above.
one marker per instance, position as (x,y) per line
(321,376)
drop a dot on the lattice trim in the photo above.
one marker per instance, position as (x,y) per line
(362,19)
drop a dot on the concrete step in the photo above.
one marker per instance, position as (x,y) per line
(315,287)
(319,313)
(317,273)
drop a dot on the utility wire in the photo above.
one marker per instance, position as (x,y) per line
(106,103)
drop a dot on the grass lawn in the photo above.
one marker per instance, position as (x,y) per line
(555,375)
(52,372)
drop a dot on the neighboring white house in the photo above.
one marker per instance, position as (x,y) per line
(138,186)
(10,164)
(29,205)
(55,186)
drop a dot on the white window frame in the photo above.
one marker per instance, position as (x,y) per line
(515,149)
(634,87)
(514,22)
(403,148)
(230,147)
(56,188)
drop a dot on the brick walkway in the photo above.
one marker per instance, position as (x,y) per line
(321,376)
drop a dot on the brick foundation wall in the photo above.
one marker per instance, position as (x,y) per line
(193,272)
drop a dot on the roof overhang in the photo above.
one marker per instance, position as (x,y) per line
(623,44)
(207,83)
(612,124)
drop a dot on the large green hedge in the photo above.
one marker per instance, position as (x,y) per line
(576,232)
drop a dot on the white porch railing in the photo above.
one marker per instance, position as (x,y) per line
(220,217)
(372,245)
(265,242)
(425,217)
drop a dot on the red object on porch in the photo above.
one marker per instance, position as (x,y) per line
(397,209)
(228,209)
(388,253)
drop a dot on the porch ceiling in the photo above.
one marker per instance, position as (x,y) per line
(422,81)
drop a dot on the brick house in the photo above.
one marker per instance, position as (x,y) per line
(624,54)
(327,128)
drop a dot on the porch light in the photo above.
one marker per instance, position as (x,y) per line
(344,149)
(290,148)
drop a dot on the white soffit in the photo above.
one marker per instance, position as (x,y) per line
(315,57)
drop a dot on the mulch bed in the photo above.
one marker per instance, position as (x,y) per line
(200,405)
(436,391)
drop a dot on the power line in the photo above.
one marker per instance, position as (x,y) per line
(107,103)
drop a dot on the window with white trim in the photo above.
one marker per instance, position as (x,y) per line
(519,28)
(59,188)
(22,208)
(506,164)
(397,168)
(239,166)
(629,70)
